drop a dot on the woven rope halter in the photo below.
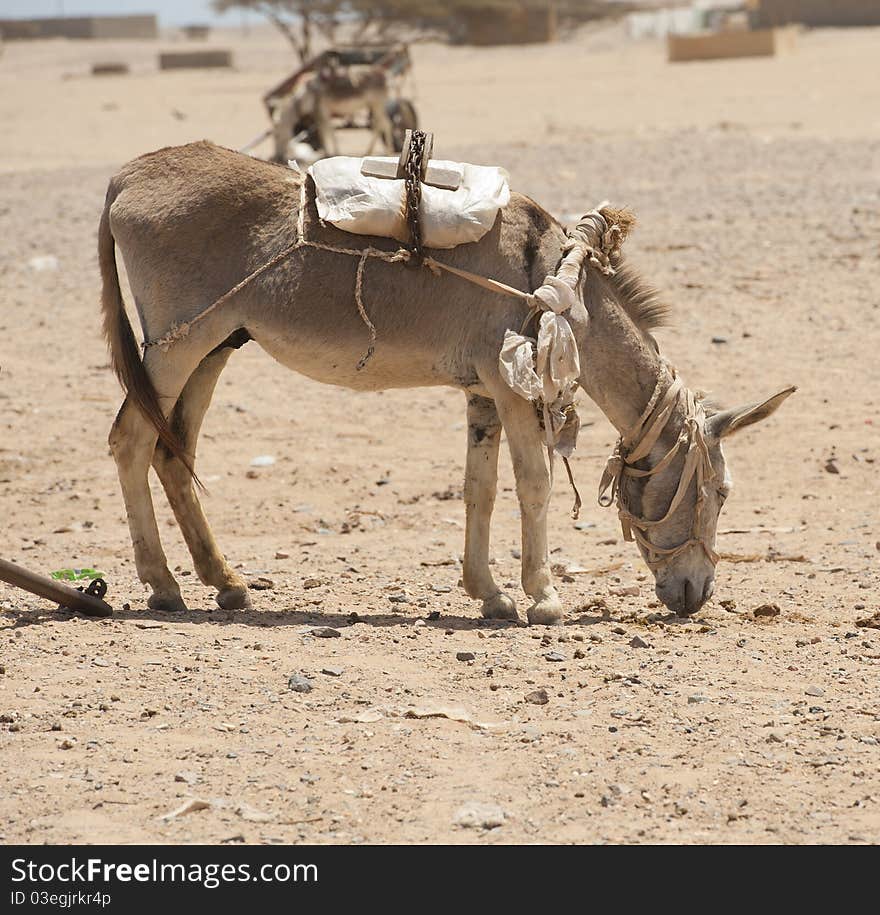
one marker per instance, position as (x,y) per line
(636,444)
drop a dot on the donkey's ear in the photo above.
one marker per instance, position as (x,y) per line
(725,423)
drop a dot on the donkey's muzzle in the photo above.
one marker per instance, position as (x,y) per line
(686,597)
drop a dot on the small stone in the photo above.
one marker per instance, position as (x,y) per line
(299,684)
(325,632)
(538,697)
(100,662)
(66,744)
(309,583)
(434,615)
(579,654)
(636,642)
(719,340)
(554,656)
(814,691)
(280,554)
(187,777)
(766,610)
(261,584)
(696,699)
(332,671)
(475,815)
(263,460)
(464,656)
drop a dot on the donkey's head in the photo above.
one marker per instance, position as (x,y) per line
(671,480)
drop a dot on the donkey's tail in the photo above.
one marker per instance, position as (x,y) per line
(124,352)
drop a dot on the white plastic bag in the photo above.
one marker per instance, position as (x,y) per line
(375,206)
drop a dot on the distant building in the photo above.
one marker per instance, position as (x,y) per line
(94,27)
(767,13)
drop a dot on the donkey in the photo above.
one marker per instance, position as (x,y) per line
(330,92)
(192,221)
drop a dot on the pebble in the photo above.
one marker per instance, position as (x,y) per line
(766,610)
(464,656)
(636,642)
(333,671)
(538,697)
(280,554)
(263,460)
(325,632)
(309,583)
(476,815)
(814,691)
(299,684)
(100,662)
(696,699)
(554,656)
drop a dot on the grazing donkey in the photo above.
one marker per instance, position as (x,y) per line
(193,221)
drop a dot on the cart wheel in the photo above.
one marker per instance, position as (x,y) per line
(403,117)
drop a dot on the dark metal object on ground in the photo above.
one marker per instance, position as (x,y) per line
(89,602)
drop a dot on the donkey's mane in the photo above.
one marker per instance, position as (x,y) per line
(640,300)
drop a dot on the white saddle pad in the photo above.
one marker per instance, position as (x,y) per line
(374,206)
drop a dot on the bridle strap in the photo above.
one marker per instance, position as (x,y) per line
(637,444)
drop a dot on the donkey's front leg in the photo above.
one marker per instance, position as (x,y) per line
(480,483)
(533,489)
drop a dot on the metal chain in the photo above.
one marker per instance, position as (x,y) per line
(412,175)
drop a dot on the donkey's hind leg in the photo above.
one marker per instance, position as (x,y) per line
(133,441)
(480,484)
(186,420)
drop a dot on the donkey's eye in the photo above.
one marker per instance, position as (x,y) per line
(723,493)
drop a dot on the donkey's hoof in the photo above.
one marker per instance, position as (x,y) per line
(167,603)
(234,598)
(499,607)
(546,612)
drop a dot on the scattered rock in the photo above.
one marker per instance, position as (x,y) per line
(476,815)
(263,460)
(280,554)
(554,656)
(814,691)
(45,263)
(261,584)
(464,656)
(325,632)
(299,684)
(309,583)
(100,662)
(193,805)
(696,699)
(766,610)
(333,671)
(188,778)
(433,709)
(636,642)
(538,697)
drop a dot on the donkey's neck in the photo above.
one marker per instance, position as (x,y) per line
(620,368)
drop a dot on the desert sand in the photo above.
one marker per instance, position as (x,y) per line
(755,183)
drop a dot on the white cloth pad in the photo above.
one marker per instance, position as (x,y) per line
(375,206)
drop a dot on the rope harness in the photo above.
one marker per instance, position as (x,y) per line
(636,445)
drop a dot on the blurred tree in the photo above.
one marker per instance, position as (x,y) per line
(301,20)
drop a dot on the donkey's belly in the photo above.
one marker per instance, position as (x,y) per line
(346,365)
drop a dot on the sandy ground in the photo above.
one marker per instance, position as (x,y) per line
(755,182)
